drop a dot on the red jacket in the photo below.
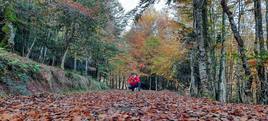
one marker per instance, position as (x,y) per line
(133,80)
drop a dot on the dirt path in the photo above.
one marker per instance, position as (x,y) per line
(124,105)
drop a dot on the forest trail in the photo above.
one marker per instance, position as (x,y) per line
(125,105)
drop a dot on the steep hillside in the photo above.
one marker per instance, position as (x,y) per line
(21,76)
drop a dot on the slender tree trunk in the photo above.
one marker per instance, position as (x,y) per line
(230,72)
(109,79)
(10,36)
(63,59)
(30,49)
(222,78)
(45,55)
(193,84)
(239,15)
(150,82)
(119,80)
(259,28)
(265,86)
(53,61)
(75,63)
(266,18)
(241,49)
(156,83)
(123,82)
(23,51)
(239,91)
(41,53)
(86,67)
(239,83)
(115,81)
(119,83)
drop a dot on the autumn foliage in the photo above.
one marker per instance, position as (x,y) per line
(155,44)
(79,7)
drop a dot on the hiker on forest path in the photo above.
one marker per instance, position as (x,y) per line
(134,82)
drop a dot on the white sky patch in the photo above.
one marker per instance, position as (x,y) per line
(128,5)
(160,5)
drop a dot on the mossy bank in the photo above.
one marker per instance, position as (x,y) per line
(22,76)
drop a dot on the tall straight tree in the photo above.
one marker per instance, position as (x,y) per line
(222,78)
(266,18)
(242,52)
(260,39)
(200,38)
(265,85)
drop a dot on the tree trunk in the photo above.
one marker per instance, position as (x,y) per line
(109,79)
(41,53)
(200,36)
(239,91)
(44,57)
(266,18)
(119,83)
(193,84)
(86,67)
(53,61)
(258,22)
(239,84)
(212,56)
(123,82)
(10,36)
(265,87)
(260,40)
(239,14)
(30,49)
(75,63)
(156,83)
(112,81)
(116,81)
(241,49)
(63,59)
(150,82)
(230,72)
(23,51)
(222,78)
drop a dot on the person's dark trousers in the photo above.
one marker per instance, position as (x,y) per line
(138,85)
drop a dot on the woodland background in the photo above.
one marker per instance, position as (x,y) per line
(203,48)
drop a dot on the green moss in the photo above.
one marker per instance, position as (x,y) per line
(5,28)
(9,13)
(36,68)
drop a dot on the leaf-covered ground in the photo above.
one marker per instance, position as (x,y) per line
(125,105)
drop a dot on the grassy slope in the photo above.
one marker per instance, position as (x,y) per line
(22,76)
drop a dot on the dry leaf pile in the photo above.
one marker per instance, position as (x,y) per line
(125,105)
